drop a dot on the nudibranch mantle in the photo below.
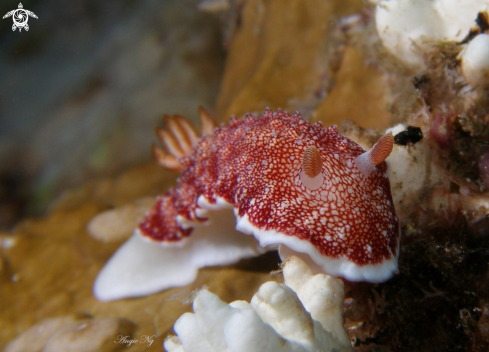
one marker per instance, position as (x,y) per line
(343,220)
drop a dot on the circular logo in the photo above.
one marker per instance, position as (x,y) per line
(20,17)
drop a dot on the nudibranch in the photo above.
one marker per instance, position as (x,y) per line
(293,186)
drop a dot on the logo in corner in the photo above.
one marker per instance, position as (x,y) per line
(20,17)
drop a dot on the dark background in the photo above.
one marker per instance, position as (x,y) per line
(83,89)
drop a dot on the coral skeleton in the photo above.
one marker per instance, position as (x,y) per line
(304,314)
(404,26)
(475,61)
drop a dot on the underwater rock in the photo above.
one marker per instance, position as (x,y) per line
(34,338)
(75,335)
(358,80)
(281,56)
(118,224)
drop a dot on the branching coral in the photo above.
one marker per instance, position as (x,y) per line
(304,314)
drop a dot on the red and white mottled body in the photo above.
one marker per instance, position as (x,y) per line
(254,166)
(266,170)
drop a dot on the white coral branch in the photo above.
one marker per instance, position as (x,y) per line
(304,314)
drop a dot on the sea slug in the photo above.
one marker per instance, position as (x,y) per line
(301,188)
